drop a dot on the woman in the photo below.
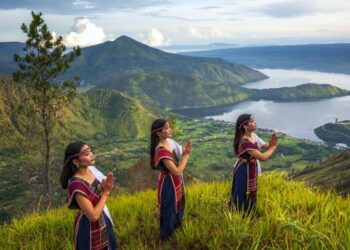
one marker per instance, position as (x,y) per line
(93,225)
(171,196)
(245,172)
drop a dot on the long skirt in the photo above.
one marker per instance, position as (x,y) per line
(239,196)
(83,237)
(169,219)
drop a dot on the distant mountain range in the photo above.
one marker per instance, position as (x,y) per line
(333,58)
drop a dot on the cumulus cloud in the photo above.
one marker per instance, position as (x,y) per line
(85,33)
(155,38)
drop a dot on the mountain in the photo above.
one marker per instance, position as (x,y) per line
(161,78)
(334,173)
(333,58)
(7,49)
(288,216)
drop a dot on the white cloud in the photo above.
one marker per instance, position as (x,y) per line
(155,38)
(195,33)
(218,33)
(207,33)
(85,33)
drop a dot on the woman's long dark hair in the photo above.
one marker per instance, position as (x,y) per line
(241,120)
(157,125)
(69,168)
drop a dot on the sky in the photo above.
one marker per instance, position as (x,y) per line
(183,22)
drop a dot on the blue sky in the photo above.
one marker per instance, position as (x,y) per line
(179,22)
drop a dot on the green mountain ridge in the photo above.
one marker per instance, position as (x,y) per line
(334,173)
(125,56)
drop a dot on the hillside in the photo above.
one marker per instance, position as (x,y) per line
(334,133)
(95,114)
(334,173)
(284,219)
(332,58)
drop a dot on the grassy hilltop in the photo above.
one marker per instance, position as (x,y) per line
(289,216)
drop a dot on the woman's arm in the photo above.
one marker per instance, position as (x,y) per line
(262,156)
(267,154)
(86,207)
(177,170)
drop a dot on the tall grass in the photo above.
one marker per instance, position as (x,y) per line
(288,216)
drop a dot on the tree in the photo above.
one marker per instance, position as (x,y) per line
(43,62)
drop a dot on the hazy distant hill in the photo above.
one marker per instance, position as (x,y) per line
(333,173)
(334,58)
(7,49)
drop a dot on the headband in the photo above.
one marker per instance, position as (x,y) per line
(157,129)
(244,122)
(71,157)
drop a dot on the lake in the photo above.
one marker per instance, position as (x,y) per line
(297,119)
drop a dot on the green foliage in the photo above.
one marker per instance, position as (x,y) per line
(288,216)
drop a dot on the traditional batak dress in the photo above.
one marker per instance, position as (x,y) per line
(171,196)
(88,234)
(245,174)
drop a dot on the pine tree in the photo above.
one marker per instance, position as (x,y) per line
(43,62)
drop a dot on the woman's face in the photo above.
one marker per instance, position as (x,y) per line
(86,157)
(166,131)
(251,125)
